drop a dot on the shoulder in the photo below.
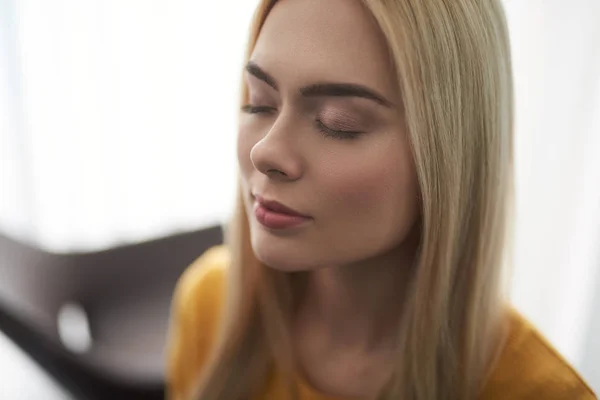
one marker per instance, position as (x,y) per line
(195,313)
(530,368)
(200,290)
(203,282)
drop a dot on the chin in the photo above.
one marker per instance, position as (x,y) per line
(284,254)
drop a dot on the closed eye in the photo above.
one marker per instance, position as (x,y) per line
(337,134)
(321,127)
(253,109)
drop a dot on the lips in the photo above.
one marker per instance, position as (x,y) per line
(276,216)
(277,207)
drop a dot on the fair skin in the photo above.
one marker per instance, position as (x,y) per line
(360,190)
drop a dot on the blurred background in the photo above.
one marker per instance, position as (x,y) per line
(117,166)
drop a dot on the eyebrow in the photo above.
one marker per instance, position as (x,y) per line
(344,90)
(323,89)
(253,69)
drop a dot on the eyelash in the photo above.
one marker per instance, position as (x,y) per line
(326,131)
(251,109)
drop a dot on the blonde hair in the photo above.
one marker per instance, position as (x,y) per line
(453,66)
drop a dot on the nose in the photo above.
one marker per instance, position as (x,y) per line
(276,154)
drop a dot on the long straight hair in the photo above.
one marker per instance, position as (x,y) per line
(453,66)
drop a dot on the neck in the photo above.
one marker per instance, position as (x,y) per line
(358,306)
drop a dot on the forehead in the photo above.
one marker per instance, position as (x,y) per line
(307,41)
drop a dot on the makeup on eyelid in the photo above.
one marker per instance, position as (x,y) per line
(343,120)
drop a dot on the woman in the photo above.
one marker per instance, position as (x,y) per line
(364,260)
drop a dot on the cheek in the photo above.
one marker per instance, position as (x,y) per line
(382,190)
(361,190)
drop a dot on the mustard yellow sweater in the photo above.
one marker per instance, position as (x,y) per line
(528,367)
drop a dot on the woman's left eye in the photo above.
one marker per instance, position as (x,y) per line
(337,134)
(252,109)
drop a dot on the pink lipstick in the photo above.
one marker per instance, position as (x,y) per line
(275,215)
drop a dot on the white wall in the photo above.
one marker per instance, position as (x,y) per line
(557,72)
(125,117)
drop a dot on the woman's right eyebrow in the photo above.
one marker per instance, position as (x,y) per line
(326,89)
(253,69)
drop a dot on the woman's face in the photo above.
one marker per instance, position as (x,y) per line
(323,134)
